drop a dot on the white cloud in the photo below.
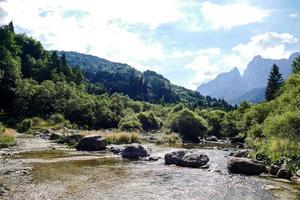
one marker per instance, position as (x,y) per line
(268,45)
(102,30)
(208,63)
(293,15)
(227,16)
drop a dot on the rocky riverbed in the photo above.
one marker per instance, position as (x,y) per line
(39,169)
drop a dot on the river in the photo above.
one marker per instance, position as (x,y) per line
(66,174)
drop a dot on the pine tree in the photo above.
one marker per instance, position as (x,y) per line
(11,26)
(296,65)
(275,81)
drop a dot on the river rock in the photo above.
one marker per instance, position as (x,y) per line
(284,173)
(244,153)
(134,151)
(298,173)
(55,136)
(274,170)
(212,138)
(245,166)
(116,149)
(238,139)
(92,143)
(72,139)
(186,159)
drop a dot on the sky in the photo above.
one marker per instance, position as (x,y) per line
(190,42)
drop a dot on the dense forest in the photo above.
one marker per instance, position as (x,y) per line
(37,85)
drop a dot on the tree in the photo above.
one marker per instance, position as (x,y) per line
(11,26)
(296,65)
(275,81)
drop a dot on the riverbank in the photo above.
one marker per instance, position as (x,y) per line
(36,168)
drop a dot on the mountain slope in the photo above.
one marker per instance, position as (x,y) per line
(147,86)
(233,87)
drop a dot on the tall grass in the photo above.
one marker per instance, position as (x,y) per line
(121,137)
(7,137)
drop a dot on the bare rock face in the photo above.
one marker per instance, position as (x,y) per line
(92,143)
(134,151)
(243,153)
(186,159)
(245,166)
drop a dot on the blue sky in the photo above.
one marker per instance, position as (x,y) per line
(188,41)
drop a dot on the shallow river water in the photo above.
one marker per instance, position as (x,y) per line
(59,175)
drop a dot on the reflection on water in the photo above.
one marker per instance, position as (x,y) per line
(115,178)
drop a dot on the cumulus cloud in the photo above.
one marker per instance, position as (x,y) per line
(229,15)
(95,27)
(208,63)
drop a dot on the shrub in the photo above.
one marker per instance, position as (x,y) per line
(2,128)
(130,124)
(121,138)
(57,119)
(189,125)
(283,125)
(25,125)
(6,139)
(171,138)
(149,121)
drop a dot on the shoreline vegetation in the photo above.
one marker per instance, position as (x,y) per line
(39,91)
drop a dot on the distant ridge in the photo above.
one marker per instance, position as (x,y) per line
(234,87)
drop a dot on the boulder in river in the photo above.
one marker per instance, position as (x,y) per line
(212,138)
(134,151)
(274,170)
(55,136)
(243,153)
(92,143)
(186,159)
(284,173)
(245,166)
(116,149)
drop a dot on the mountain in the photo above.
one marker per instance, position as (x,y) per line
(146,86)
(234,87)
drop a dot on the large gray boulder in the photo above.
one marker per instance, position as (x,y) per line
(134,151)
(245,166)
(92,143)
(186,159)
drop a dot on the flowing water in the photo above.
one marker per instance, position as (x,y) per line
(59,175)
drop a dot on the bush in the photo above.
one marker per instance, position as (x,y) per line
(171,138)
(189,125)
(6,138)
(25,125)
(130,124)
(121,138)
(57,119)
(149,121)
(283,125)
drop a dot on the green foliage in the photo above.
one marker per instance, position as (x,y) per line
(214,119)
(130,124)
(171,138)
(274,83)
(286,125)
(25,125)
(121,138)
(188,125)
(7,139)
(57,119)
(149,121)
(296,65)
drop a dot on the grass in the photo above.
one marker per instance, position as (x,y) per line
(7,138)
(171,138)
(115,137)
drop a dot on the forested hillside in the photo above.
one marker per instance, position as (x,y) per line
(147,86)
